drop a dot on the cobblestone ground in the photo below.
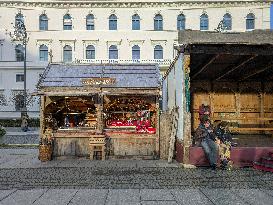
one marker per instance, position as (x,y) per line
(20,168)
(22,139)
(25,180)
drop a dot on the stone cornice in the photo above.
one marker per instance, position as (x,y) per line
(127,4)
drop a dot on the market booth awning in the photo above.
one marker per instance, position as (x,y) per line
(119,102)
(232,72)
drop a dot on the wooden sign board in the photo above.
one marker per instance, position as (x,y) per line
(98,81)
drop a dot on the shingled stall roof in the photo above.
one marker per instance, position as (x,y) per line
(125,75)
(255,37)
(228,56)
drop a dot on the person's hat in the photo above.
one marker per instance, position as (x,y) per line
(204,118)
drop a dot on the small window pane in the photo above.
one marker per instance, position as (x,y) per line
(158,52)
(204,22)
(250,21)
(19,52)
(135,22)
(158,23)
(90,52)
(67,22)
(43,22)
(136,52)
(113,22)
(67,54)
(181,22)
(43,51)
(90,25)
(113,52)
(227,21)
(20,78)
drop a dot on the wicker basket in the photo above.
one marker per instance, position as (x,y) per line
(45,152)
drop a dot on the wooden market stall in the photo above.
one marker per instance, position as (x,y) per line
(232,73)
(110,103)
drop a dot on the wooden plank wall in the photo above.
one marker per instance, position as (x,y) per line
(233,100)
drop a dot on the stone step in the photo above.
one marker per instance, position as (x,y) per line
(263,167)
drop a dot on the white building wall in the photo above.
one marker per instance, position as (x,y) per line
(55,38)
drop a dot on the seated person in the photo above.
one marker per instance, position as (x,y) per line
(205,137)
(222,132)
(224,140)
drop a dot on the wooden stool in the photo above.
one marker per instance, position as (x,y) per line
(97,144)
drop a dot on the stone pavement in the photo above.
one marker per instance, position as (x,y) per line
(25,180)
(14,135)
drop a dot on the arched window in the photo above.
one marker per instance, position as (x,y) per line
(19,18)
(204,22)
(158,23)
(250,21)
(19,102)
(135,22)
(43,53)
(90,52)
(43,22)
(67,54)
(19,52)
(67,22)
(181,22)
(90,25)
(227,21)
(135,52)
(113,52)
(113,22)
(158,52)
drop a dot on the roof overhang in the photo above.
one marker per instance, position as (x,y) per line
(228,56)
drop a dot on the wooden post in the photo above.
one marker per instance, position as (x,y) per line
(157,143)
(42,115)
(262,103)
(99,108)
(187,115)
(211,99)
(237,101)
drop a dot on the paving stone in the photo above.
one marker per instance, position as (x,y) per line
(56,197)
(222,196)
(190,196)
(254,196)
(89,197)
(20,139)
(156,195)
(6,193)
(23,197)
(159,203)
(125,196)
(269,192)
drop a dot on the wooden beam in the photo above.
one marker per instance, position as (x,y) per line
(236,67)
(206,65)
(255,72)
(233,49)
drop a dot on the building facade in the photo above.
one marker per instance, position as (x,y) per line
(106,32)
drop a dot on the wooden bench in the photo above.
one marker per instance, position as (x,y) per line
(238,129)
